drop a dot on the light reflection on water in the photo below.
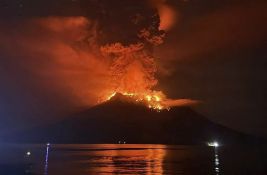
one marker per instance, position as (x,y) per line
(127,159)
(105,159)
(131,159)
(46,159)
(216,161)
(115,161)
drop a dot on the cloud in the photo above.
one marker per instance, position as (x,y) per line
(167,14)
(59,53)
(224,29)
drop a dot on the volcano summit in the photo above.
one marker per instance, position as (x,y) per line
(123,120)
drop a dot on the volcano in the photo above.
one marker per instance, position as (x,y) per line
(122,120)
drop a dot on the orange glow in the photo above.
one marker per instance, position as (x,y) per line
(132,74)
(84,72)
(150,99)
(154,100)
(149,157)
(168,16)
(112,95)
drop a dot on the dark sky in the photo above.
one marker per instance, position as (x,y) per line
(215,53)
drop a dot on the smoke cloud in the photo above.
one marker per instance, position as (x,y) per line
(63,53)
(167,14)
(60,53)
(223,29)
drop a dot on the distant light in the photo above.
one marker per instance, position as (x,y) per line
(48,144)
(28,153)
(213,144)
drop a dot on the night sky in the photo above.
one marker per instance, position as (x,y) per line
(214,53)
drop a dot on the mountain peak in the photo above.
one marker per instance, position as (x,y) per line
(127,100)
(123,119)
(121,97)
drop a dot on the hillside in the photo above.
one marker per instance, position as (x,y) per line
(120,119)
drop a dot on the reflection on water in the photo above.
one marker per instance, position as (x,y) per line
(129,159)
(46,159)
(124,160)
(216,161)
(108,159)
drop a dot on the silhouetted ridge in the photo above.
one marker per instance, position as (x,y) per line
(122,119)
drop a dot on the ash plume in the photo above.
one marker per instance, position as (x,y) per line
(70,56)
(133,68)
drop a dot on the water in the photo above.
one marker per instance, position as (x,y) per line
(148,159)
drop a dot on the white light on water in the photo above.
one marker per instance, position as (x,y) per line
(46,159)
(214,144)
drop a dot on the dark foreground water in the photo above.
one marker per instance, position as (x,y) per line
(18,159)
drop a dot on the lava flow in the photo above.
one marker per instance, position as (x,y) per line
(152,100)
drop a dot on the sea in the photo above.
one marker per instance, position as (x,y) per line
(144,159)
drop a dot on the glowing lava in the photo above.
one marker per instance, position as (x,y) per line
(132,74)
(153,100)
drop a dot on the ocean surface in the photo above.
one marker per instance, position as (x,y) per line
(147,159)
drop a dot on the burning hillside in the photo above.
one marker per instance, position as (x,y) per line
(154,100)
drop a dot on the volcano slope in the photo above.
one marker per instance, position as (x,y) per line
(121,119)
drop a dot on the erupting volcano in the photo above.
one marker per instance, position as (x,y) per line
(110,68)
(90,59)
(133,75)
(133,69)
(133,72)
